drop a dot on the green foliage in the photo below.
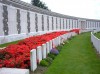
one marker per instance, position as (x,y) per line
(51,56)
(49,60)
(76,57)
(39,3)
(44,63)
(59,48)
(97,35)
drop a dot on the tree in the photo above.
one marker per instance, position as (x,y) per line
(39,3)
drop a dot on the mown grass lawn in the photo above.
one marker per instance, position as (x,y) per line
(97,35)
(76,57)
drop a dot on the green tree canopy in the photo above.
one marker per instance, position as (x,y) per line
(39,3)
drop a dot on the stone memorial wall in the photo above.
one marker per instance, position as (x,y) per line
(19,20)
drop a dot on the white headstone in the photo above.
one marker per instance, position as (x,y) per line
(59,40)
(53,43)
(39,54)
(66,35)
(33,60)
(47,47)
(44,51)
(50,45)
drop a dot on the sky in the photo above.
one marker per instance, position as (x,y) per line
(79,8)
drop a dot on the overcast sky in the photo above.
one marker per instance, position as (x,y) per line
(79,8)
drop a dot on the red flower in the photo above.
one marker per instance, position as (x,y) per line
(18,55)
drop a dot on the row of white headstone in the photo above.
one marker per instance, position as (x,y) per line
(41,51)
(38,54)
(96,42)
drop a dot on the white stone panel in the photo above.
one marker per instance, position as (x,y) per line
(23,21)
(65,24)
(45,22)
(58,23)
(98,24)
(33,60)
(39,22)
(13,71)
(50,23)
(12,20)
(71,23)
(93,25)
(61,23)
(1,21)
(54,23)
(32,22)
(90,25)
(79,24)
(87,24)
(74,24)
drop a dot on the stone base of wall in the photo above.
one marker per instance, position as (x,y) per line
(15,37)
(13,71)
